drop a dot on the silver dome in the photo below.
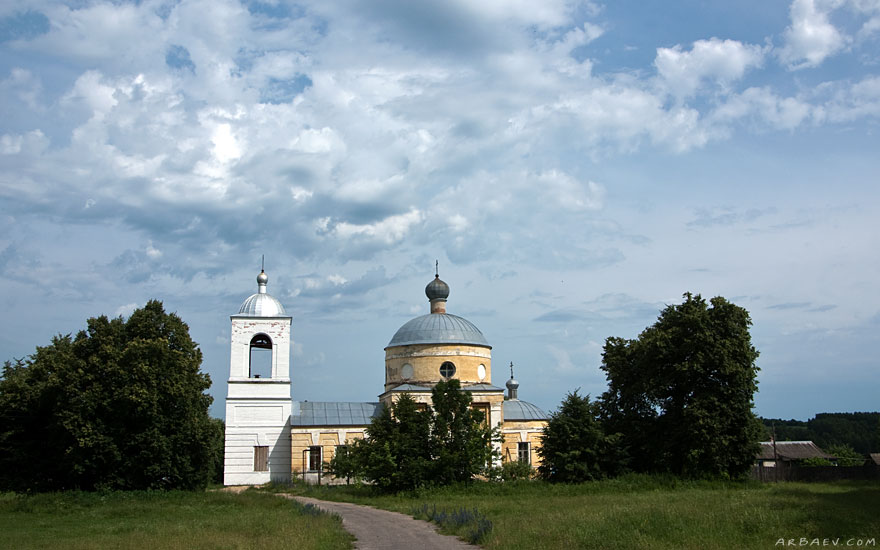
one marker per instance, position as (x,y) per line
(261,304)
(514,409)
(438,328)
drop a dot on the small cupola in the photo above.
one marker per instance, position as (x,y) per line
(512,385)
(437,291)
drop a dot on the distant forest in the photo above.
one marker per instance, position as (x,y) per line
(859,430)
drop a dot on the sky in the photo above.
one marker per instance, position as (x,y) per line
(574,166)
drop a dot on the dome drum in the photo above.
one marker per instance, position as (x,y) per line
(423,363)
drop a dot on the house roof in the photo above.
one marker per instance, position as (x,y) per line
(876,458)
(333,413)
(792,450)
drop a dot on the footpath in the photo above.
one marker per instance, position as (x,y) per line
(377,529)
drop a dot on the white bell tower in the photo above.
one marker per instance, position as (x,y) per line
(258,392)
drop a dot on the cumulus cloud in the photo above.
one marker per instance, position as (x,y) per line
(811,37)
(387,231)
(721,61)
(762,107)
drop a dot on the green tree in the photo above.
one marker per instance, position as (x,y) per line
(846,455)
(461,440)
(574,446)
(406,448)
(877,437)
(681,394)
(120,406)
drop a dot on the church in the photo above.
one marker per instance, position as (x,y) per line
(271,437)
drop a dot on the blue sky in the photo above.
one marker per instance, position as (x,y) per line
(573,166)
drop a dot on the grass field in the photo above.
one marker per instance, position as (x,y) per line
(630,512)
(644,512)
(157,520)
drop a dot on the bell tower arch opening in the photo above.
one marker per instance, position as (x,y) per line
(261,357)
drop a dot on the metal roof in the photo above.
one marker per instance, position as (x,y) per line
(418,388)
(333,413)
(481,387)
(514,409)
(791,450)
(261,305)
(410,388)
(438,328)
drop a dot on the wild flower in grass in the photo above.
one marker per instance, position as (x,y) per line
(475,525)
(312,510)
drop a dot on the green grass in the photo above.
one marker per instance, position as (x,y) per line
(646,512)
(164,520)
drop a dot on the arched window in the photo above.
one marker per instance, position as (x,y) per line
(261,356)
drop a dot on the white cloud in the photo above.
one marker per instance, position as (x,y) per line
(126,310)
(859,101)
(337,279)
(388,231)
(811,37)
(315,141)
(226,146)
(93,92)
(152,252)
(545,14)
(569,193)
(765,108)
(723,61)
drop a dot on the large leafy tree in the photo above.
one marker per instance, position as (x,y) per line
(122,405)
(407,447)
(574,446)
(681,394)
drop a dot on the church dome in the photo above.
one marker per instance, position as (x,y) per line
(261,304)
(437,289)
(514,409)
(435,328)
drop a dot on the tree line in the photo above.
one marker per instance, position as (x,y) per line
(858,430)
(124,405)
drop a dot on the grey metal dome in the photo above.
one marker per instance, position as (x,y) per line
(261,304)
(437,289)
(435,328)
(514,409)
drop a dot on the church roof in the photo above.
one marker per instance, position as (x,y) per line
(419,388)
(438,328)
(514,409)
(261,304)
(333,413)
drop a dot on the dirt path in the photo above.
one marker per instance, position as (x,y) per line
(379,529)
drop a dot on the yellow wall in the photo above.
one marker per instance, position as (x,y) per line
(427,358)
(328,437)
(516,432)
